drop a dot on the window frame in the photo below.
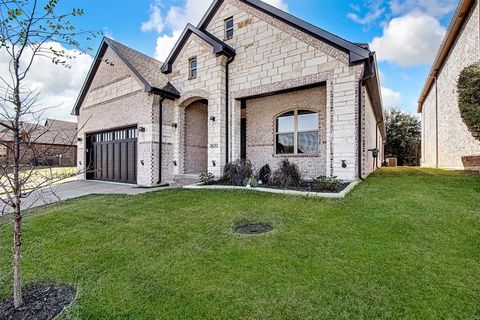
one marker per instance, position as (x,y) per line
(296,133)
(229,29)
(191,69)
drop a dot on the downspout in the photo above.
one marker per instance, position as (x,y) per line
(436,123)
(160,142)
(227,125)
(360,85)
(376,142)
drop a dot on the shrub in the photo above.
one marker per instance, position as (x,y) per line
(323,183)
(265,174)
(469,98)
(287,175)
(237,173)
(206,177)
(252,182)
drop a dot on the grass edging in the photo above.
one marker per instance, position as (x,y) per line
(340,195)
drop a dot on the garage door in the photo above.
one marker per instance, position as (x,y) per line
(113,156)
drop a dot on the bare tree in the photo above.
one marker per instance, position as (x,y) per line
(27,30)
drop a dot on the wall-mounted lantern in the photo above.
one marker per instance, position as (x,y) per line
(212,118)
(344,164)
(214,163)
(80,139)
(174,125)
(175,163)
(375,152)
(141,129)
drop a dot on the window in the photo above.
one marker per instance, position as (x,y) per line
(193,68)
(297,132)
(229,26)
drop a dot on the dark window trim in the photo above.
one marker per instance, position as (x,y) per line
(226,37)
(295,132)
(191,69)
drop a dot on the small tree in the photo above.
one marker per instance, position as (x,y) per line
(403,137)
(469,98)
(27,30)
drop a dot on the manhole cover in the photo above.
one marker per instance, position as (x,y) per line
(253,228)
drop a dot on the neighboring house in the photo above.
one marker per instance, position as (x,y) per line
(50,144)
(250,82)
(446,141)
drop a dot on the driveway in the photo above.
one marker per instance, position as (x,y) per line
(76,189)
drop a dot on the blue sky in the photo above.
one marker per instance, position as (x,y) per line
(405,34)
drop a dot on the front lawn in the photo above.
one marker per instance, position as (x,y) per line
(404,244)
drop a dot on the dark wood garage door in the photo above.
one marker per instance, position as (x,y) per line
(113,156)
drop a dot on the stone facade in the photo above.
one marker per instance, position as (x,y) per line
(276,68)
(116,99)
(261,117)
(454,140)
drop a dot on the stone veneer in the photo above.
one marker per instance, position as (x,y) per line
(270,56)
(261,116)
(454,139)
(116,99)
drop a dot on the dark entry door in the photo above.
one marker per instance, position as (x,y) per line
(112,156)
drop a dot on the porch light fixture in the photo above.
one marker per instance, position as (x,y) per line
(214,163)
(141,129)
(175,163)
(79,139)
(344,164)
(174,125)
(212,118)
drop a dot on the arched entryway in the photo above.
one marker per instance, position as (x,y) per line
(196,137)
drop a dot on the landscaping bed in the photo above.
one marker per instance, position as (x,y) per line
(304,186)
(40,302)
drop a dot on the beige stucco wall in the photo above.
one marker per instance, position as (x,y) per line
(454,140)
(116,99)
(261,116)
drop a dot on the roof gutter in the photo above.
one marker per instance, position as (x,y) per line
(454,30)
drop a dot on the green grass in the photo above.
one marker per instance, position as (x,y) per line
(404,244)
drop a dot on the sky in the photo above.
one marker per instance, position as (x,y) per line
(405,34)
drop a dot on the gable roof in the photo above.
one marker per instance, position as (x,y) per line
(53,132)
(219,47)
(145,68)
(451,36)
(357,52)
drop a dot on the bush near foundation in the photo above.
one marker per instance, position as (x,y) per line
(469,98)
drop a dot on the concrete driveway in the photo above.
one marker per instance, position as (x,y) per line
(76,189)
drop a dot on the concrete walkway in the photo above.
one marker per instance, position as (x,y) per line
(76,189)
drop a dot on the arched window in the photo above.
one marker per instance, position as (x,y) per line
(297,132)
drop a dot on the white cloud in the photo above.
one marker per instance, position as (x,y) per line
(391,98)
(280,4)
(58,86)
(374,11)
(435,8)
(177,17)
(165,44)
(154,22)
(410,40)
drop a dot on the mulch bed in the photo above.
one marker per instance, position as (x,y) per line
(40,302)
(305,186)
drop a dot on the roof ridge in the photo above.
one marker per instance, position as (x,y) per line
(114,42)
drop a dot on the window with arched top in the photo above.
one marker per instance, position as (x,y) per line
(297,132)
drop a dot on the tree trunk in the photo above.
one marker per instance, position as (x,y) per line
(17,257)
